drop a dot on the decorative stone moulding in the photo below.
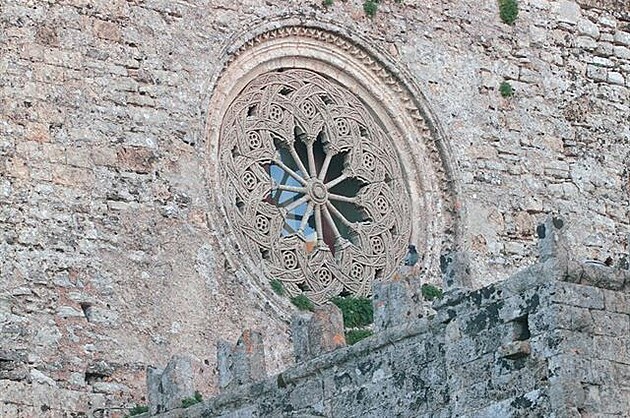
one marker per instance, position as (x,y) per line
(324,164)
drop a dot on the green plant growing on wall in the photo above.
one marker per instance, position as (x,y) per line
(355,335)
(357,311)
(137,410)
(327,2)
(431,292)
(302,302)
(370,7)
(277,287)
(187,402)
(506,89)
(358,315)
(508,11)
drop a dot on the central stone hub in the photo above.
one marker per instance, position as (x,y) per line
(318,192)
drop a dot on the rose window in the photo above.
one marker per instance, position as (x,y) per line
(315,193)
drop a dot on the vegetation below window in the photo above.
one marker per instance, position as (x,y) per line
(303,303)
(277,287)
(357,312)
(358,316)
(187,402)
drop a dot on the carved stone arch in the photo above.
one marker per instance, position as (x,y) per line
(408,139)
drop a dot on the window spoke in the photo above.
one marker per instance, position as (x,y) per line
(339,215)
(307,215)
(289,200)
(290,188)
(292,173)
(341,198)
(295,204)
(319,227)
(324,170)
(311,160)
(299,162)
(331,222)
(278,193)
(336,181)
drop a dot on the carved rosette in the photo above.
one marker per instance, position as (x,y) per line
(315,193)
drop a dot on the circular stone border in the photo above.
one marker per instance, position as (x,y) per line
(384,86)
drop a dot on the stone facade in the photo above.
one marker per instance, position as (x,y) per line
(110,259)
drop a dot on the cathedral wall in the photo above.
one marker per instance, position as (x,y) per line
(109,257)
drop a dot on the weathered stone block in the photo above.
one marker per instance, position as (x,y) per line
(318,332)
(560,341)
(579,295)
(154,390)
(137,159)
(597,274)
(243,363)
(551,240)
(397,301)
(567,11)
(586,43)
(307,394)
(462,351)
(106,30)
(245,412)
(622,38)
(601,372)
(610,323)
(109,388)
(13,364)
(612,348)
(168,387)
(326,329)
(299,333)
(566,317)
(596,73)
(615,77)
(565,396)
(621,52)
(515,350)
(621,371)
(455,268)
(604,49)
(616,301)
(586,27)
(605,400)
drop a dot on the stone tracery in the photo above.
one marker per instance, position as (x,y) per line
(315,187)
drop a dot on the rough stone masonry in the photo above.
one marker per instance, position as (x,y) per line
(107,262)
(552,341)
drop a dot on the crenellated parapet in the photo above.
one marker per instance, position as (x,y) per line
(552,339)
